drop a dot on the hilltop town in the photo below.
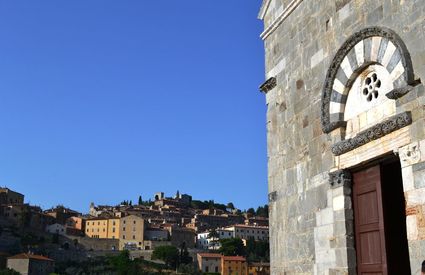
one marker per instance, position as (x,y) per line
(205,232)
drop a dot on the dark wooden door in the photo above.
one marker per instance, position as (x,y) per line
(369,222)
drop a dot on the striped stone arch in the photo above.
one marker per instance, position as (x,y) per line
(374,45)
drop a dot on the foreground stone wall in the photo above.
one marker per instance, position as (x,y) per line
(311,224)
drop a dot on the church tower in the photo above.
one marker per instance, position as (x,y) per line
(346,135)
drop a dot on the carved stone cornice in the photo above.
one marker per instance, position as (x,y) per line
(268,85)
(381,129)
(340,178)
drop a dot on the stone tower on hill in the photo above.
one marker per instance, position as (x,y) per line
(346,135)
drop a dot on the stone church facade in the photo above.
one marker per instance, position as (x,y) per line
(346,135)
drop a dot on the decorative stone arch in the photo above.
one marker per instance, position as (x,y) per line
(371,46)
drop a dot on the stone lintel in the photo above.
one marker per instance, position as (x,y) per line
(373,133)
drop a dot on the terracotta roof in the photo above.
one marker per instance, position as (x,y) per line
(30,256)
(249,226)
(234,258)
(210,255)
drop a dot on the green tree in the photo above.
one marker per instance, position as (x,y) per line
(121,262)
(167,253)
(8,271)
(184,257)
(263,211)
(230,205)
(140,200)
(232,247)
(257,250)
(214,237)
(251,211)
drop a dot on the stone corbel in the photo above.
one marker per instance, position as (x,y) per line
(399,92)
(340,178)
(268,85)
(272,196)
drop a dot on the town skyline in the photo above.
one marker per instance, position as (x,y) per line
(130,201)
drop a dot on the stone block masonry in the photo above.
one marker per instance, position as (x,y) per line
(311,220)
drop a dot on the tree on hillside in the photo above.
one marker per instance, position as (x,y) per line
(214,237)
(232,247)
(140,200)
(263,211)
(251,211)
(167,253)
(257,250)
(121,262)
(230,205)
(184,257)
(8,271)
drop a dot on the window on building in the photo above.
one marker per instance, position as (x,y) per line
(134,237)
(123,236)
(123,229)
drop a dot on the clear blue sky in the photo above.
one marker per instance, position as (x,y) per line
(104,100)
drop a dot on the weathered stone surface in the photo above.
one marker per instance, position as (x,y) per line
(311,222)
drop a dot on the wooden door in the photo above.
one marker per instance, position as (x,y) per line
(369,223)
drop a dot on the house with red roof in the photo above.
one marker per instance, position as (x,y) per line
(30,264)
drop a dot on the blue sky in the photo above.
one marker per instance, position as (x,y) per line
(104,100)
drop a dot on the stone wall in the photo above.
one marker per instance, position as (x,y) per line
(311,224)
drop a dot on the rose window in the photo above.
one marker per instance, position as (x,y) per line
(371,86)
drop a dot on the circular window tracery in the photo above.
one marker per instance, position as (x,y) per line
(371,86)
(368,91)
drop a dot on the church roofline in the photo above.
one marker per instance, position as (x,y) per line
(263,10)
(279,20)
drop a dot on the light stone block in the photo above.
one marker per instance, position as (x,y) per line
(324,216)
(346,67)
(338,203)
(407,175)
(412,228)
(277,69)
(359,49)
(415,197)
(398,71)
(344,13)
(388,54)
(422,149)
(376,42)
(317,58)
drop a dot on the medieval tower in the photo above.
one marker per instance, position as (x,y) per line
(346,135)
